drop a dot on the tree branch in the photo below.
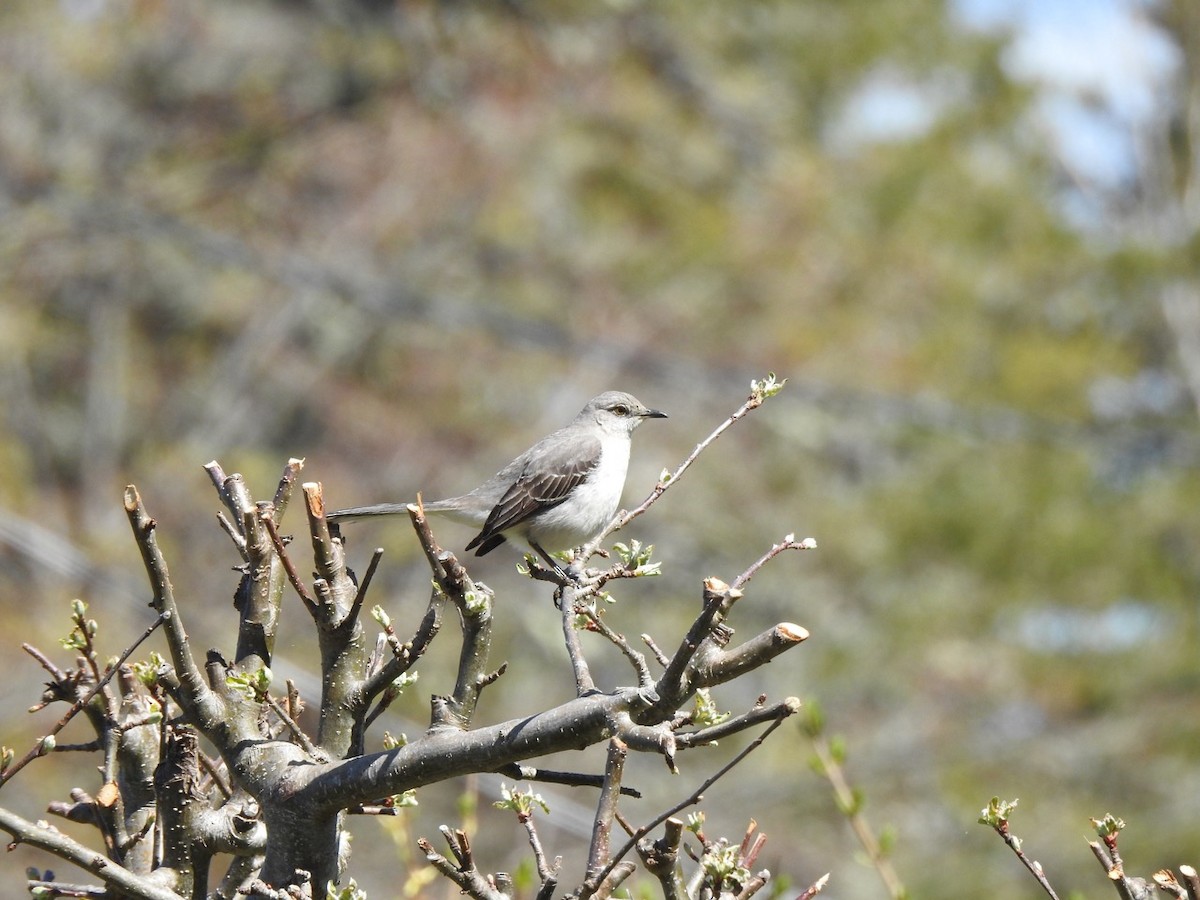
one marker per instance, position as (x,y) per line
(776,712)
(568,601)
(340,635)
(758,393)
(718,598)
(606,807)
(691,800)
(636,659)
(53,841)
(726,665)
(196,697)
(788,543)
(522,772)
(39,748)
(462,872)
(661,859)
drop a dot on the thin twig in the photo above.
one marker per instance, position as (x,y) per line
(752,402)
(661,658)
(755,716)
(61,889)
(636,659)
(584,684)
(287,484)
(239,541)
(125,882)
(361,594)
(38,749)
(788,543)
(462,872)
(848,802)
(214,772)
(815,888)
(525,772)
(197,698)
(434,554)
(293,576)
(296,731)
(691,800)
(546,873)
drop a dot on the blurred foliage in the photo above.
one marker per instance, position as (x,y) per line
(402,239)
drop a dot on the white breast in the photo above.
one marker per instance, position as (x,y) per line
(591,505)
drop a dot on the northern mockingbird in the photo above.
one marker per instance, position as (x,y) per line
(558,494)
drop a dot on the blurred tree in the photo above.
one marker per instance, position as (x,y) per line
(429,218)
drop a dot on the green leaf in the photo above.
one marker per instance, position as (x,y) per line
(704,710)
(1109,826)
(814,718)
(520,803)
(349,891)
(996,813)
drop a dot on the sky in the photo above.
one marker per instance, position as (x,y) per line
(1100,67)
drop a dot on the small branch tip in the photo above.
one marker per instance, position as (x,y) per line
(792,631)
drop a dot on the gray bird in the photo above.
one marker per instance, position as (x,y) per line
(558,494)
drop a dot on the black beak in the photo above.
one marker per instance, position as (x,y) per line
(653,414)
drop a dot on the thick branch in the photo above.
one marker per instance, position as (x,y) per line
(434,554)
(198,700)
(121,880)
(287,484)
(606,808)
(722,666)
(232,491)
(718,597)
(344,652)
(474,604)
(262,591)
(446,753)
(661,859)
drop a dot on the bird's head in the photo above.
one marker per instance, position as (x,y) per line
(618,411)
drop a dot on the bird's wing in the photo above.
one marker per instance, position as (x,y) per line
(546,480)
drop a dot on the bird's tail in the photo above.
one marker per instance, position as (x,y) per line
(366,512)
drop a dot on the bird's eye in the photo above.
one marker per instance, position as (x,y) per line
(621,409)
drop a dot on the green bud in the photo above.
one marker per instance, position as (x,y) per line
(391,742)
(997,812)
(767,387)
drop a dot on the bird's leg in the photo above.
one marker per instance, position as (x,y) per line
(565,574)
